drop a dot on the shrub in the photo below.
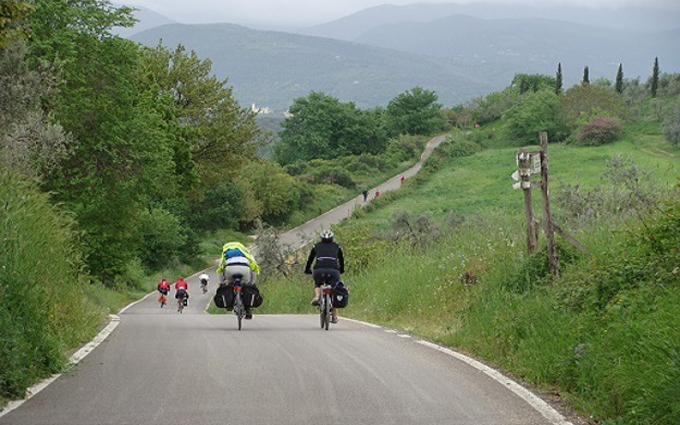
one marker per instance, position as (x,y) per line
(584,102)
(671,124)
(162,236)
(538,111)
(598,131)
(43,310)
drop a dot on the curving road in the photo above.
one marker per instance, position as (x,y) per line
(160,367)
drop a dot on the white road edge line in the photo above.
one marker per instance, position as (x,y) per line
(114,321)
(534,401)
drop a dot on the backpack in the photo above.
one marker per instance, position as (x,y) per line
(340,295)
(224,298)
(233,252)
(251,296)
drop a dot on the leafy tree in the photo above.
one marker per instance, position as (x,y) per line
(162,235)
(655,77)
(221,207)
(323,127)
(618,86)
(270,194)
(12,14)
(491,107)
(533,82)
(30,144)
(584,102)
(538,111)
(414,112)
(558,79)
(586,75)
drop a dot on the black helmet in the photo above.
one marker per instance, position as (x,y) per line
(326,235)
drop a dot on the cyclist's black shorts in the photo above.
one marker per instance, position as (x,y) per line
(163,291)
(317,274)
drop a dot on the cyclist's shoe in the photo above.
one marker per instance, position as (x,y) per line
(315,301)
(249,315)
(334,319)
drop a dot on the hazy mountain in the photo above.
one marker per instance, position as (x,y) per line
(271,68)
(147,19)
(354,26)
(531,45)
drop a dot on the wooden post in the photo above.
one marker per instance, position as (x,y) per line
(524,160)
(553,261)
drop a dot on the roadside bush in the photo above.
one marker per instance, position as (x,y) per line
(538,111)
(598,131)
(405,147)
(162,235)
(629,191)
(328,174)
(455,146)
(43,310)
(416,229)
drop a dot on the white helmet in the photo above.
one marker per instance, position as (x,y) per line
(326,235)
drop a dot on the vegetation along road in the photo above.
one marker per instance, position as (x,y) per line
(160,367)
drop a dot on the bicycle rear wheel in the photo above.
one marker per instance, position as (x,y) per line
(327,310)
(238,309)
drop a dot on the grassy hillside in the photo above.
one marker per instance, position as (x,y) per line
(603,335)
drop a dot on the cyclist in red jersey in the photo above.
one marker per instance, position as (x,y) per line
(181,283)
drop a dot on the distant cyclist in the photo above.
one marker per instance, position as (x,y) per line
(163,289)
(182,297)
(205,279)
(329,261)
(183,286)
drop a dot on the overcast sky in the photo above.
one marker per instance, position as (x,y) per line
(310,12)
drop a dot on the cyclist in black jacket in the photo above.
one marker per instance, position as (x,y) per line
(329,260)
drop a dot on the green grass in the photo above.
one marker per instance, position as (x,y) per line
(482,182)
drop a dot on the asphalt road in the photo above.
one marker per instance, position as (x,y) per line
(162,367)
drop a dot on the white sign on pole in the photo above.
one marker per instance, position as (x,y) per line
(535,163)
(515,176)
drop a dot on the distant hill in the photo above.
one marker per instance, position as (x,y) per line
(147,19)
(272,69)
(531,45)
(636,19)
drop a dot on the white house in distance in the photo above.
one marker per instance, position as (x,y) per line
(263,110)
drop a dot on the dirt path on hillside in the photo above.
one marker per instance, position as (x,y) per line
(301,235)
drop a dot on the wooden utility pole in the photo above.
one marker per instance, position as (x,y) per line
(553,261)
(524,162)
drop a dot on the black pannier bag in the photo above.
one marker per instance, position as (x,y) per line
(340,295)
(251,296)
(224,298)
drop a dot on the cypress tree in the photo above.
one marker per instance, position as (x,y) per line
(619,80)
(586,75)
(655,77)
(558,80)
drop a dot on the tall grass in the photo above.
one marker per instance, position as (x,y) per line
(43,308)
